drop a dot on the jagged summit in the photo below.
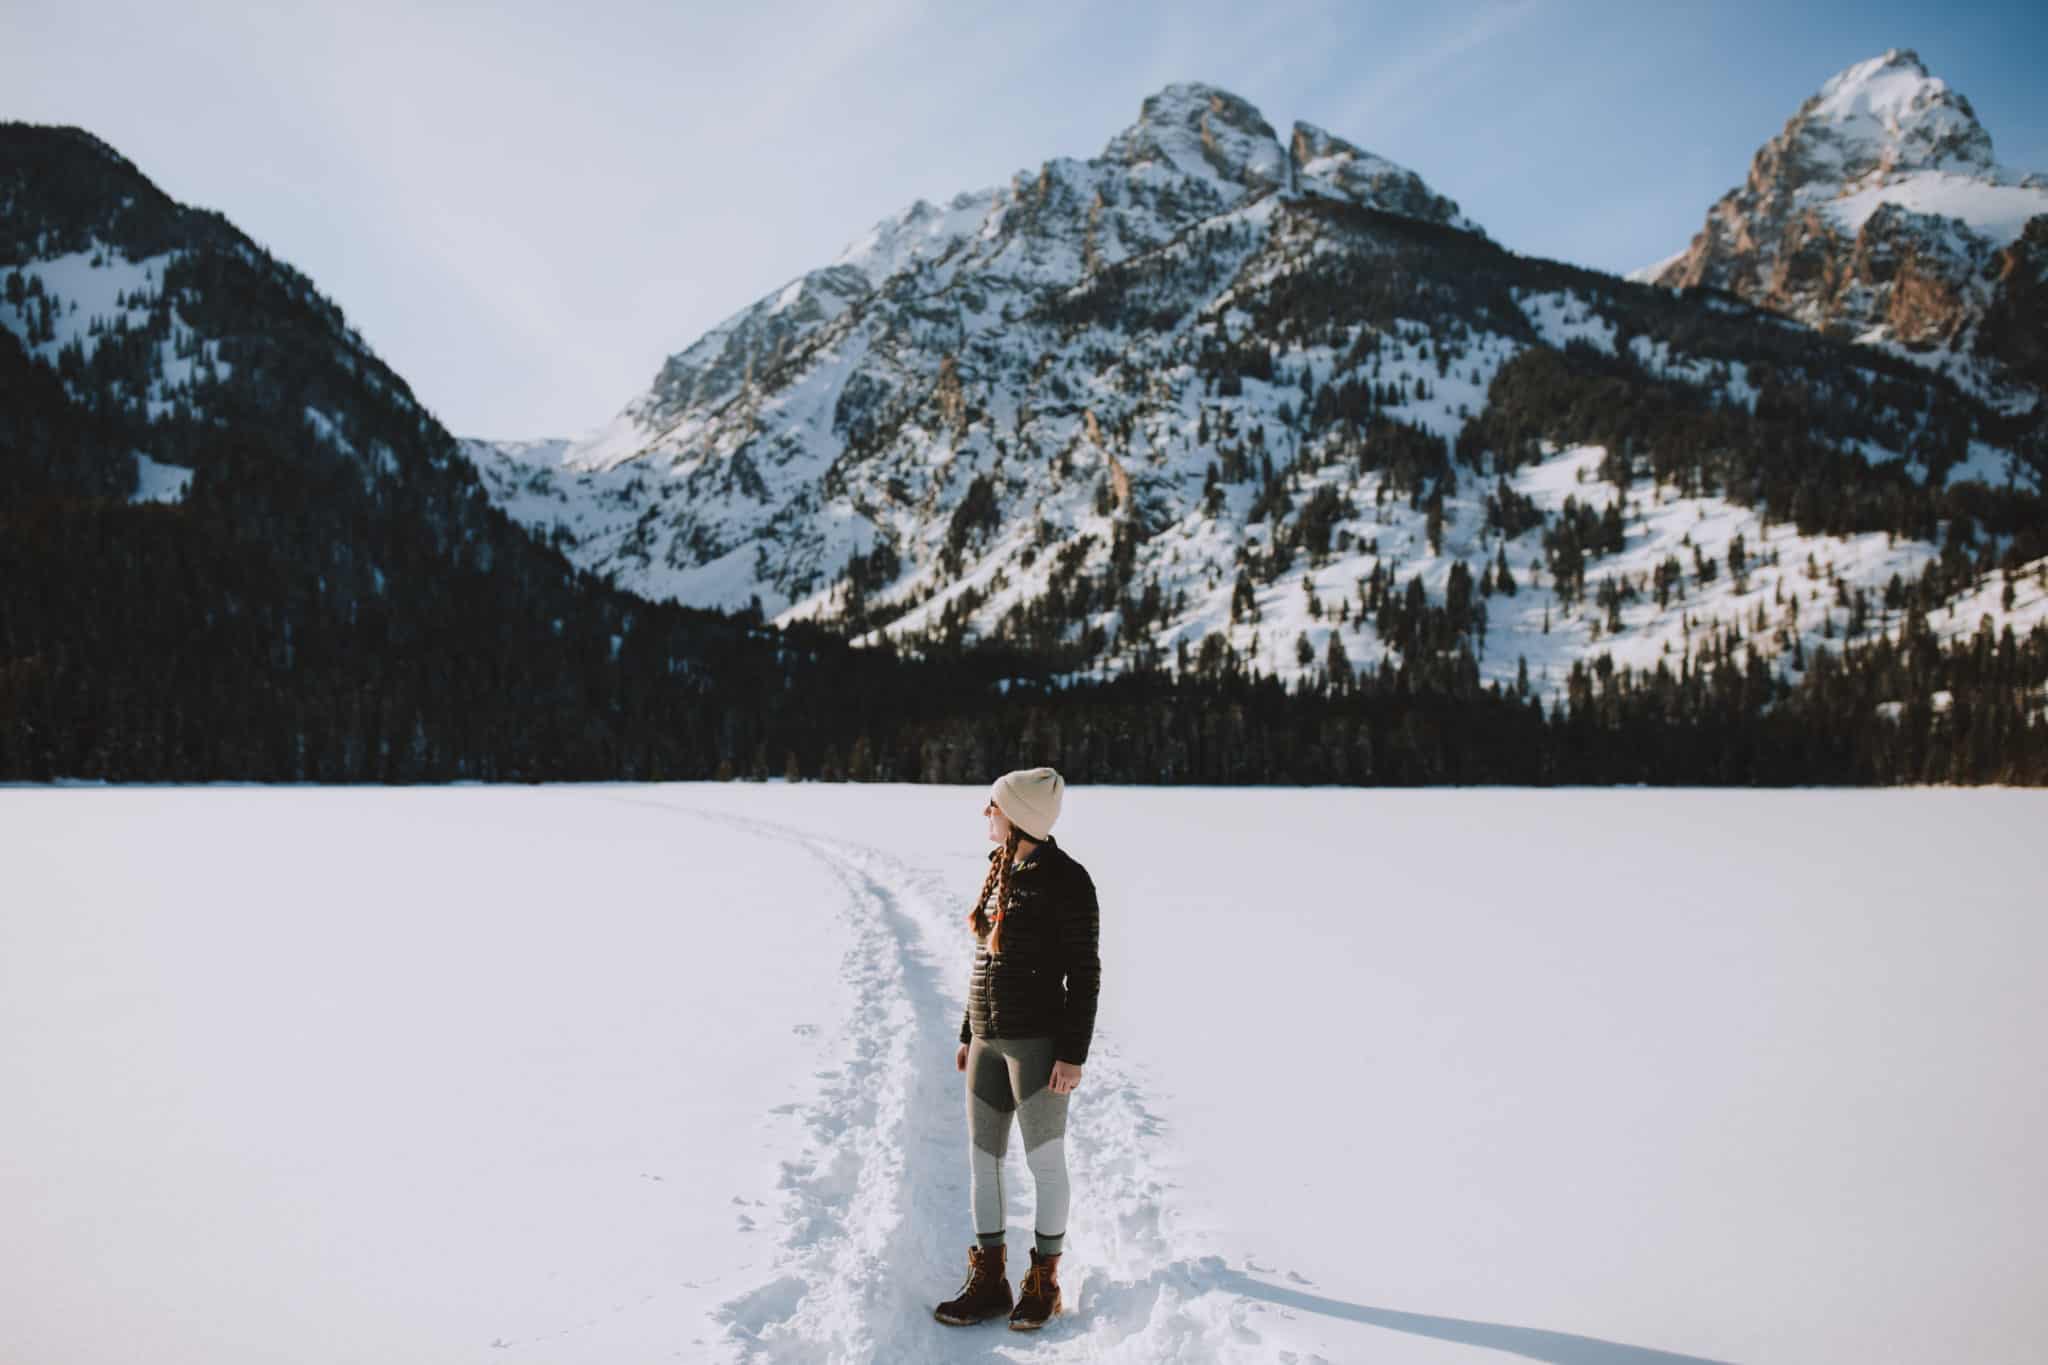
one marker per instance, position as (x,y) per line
(1880,213)
(1201,131)
(1885,117)
(1195,152)
(1882,125)
(1206,132)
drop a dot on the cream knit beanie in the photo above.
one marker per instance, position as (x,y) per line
(1030,798)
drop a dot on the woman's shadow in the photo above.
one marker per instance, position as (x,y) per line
(1536,1343)
(1134,1301)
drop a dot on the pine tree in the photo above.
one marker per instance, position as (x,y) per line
(1337,664)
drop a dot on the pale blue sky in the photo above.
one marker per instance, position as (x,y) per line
(524,207)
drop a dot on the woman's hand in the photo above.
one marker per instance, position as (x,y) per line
(1065,1076)
(960,1058)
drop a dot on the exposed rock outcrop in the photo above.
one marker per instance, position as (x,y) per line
(1878,213)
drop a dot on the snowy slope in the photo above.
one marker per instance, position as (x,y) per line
(618,1073)
(77,299)
(1800,583)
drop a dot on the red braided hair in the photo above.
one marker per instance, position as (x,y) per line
(998,884)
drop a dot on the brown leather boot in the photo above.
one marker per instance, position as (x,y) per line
(1039,1296)
(986,1293)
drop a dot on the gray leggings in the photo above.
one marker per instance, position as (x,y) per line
(1007,1076)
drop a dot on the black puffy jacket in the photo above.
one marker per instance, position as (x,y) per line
(1045,981)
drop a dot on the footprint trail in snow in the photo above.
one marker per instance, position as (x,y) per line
(874,1222)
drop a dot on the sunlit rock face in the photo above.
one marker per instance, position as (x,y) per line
(1879,213)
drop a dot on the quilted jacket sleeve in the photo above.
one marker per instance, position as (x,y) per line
(1081,963)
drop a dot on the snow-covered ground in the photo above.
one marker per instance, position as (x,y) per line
(620,1073)
(87,295)
(156,481)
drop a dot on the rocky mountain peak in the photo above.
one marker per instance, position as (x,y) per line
(1876,213)
(1201,131)
(1881,118)
(1195,152)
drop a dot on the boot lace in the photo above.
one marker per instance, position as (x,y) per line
(980,1271)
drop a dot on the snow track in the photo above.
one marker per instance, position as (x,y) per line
(874,1223)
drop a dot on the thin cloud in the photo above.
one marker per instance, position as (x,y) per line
(1390,86)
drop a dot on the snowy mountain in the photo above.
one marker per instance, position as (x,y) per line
(1880,214)
(1211,400)
(1152,433)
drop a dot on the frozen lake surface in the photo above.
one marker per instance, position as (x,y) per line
(664,1072)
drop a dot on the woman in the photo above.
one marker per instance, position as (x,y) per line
(1030,1016)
